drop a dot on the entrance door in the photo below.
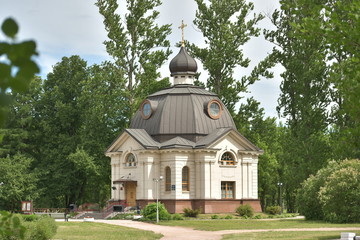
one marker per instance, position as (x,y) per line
(131,193)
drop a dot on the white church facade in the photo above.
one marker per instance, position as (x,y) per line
(183,148)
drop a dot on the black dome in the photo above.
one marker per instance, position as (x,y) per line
(183,63)
(181,111)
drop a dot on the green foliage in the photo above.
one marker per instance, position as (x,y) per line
(334,191)
(245,211)
(11,227)
(16,66)
(135,43)
(265,134)
(177,216)
(188,212)
(229,217)
(273,210)
(215,216)
(149,212)
(30,218)
(42,229)
(226,27)
(19,181)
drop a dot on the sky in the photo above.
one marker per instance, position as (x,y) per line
(74,27)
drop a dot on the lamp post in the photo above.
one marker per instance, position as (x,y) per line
(157,196)
(280,196)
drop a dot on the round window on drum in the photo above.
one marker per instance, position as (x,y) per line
(146,109)
(214,109)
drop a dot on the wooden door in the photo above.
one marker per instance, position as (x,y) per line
(131,193)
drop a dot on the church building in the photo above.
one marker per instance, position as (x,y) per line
(183,148)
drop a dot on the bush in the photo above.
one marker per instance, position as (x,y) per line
(30,218)
(229,217)
(188,212)
(340,195)
(149,212)
(245,210)
(177,216)
(215,216)
(273,210)
(332,194)
(11,227)
(42,229)
(257,217)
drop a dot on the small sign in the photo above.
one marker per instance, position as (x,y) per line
(26,206)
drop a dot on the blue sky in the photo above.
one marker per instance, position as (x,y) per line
(74,27)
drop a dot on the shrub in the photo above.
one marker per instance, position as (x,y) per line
(10,226)
(229,217)
(257,216)
(340,195)
(149,212)
(188,212)
(177,216)
(273,210)
(332,194)
(245,210)
(42,229)
(215,216)
(30,218)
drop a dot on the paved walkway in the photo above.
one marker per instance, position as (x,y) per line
(180,233)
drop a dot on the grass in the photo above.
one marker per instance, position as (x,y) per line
(284,235)
(100,231)
(237,224)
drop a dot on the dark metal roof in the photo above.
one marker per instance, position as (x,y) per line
(180,112)
(177,142)
(183,63)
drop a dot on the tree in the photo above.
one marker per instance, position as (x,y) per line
(305,96)
(135,43)
(21,127)
(61,120)
(19,181)
(16,67)
(264,133)
(226,28)
(339,28)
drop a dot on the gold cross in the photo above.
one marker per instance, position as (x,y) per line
(182,26)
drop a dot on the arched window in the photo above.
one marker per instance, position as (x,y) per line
(130,160)
(185,179)
(167,179)
(227,159)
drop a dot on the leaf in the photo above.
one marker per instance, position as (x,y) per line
(10,27)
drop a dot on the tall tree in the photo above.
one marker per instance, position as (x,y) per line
(61,120)
(305,96)
(138,46)
(265,134)
(339,26)
(226,27)
(21,128)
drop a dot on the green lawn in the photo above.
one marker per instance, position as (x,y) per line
(216,225)
(284,235)
(100,231)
